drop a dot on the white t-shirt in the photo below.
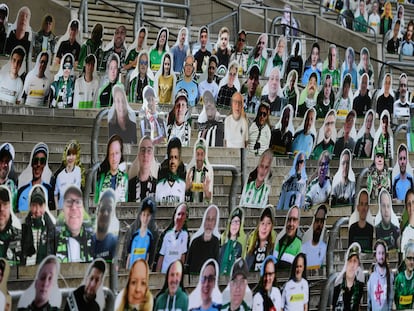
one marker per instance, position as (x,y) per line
(205,86)
(315,255)
(173,246)
(295,295)
(36,89)
(236,133)
(274,295)
(85,93)
(408,234)
(10,89)
(65,179)
(166,193)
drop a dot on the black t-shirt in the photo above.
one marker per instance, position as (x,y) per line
(361,235)
(65,47)
(199,57)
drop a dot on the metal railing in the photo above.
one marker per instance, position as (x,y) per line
(326,294)
(398,65)
(109,297)
(234,17)
(139,11)
(333,234)
(266,11)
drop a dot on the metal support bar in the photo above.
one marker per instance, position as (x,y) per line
(333,234)
(326,292)
(360,178)
(235,174)
(88,186)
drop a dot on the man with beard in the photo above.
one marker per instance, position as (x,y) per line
(331,69)
(117,46)
(308,96)
(205,243)
(319,189)
(6,162)
(209,84)
(327,143)
(251,91)
(83,298)
(362,99)
(402,104)
(361,231)
(74,238)
(403,181)
(315,248)
(104,242)
(385,229)
(289,245)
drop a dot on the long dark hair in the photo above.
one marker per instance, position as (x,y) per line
(387,268)
(105,167)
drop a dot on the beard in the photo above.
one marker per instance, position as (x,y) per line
(316,236)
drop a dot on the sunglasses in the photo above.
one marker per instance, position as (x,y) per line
(242,40)
(41,161)
(67,66)
(263,114)
(301,161)
(410,258)
(143,62)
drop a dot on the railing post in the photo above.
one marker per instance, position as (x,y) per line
(333,234)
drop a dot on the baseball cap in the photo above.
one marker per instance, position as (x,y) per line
(7,149)
(74,25)
(239,267)
(181,93)
(37,196)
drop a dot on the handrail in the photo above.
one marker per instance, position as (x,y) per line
(333,234)
(360,177)
(139,11)
(393,64)
(83,15)
(280,10)
(219,20)
(109,297)
(235,172)
(326,292)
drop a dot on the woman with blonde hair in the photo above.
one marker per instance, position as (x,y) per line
(136,295)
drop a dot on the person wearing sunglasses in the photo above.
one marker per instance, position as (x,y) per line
(239,52)
(62,89)
(259,131)
(37,172)
(140,78)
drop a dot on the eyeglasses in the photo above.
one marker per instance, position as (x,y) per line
(208,278)
(73,202)
(268,274)
(241,40)
(301,161)
(143,62)
(294,219)
(324,164)
(262,114)
(41,161)
(238,283)
(410,258)
(232,74)
(188,65)
(147,150)
(67,66)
